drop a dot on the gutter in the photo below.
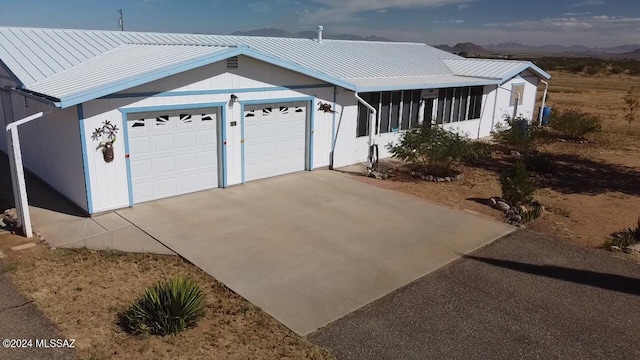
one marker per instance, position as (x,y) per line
(372,123)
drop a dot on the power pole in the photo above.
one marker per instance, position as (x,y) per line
(121,20)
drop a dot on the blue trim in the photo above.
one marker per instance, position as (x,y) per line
(297,68)
(427,86)
(311,111)
(223,146)
(214,92)
(125,127)
(154,75)
(242,142)
(312,130)
(125,132)
(85,159)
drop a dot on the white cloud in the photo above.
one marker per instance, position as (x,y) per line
(382,11)
(328,11)
(577,13)
(597,22)
(587,3)
(448,21)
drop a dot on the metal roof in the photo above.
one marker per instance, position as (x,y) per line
(495,69)
(124,63)
(79,65)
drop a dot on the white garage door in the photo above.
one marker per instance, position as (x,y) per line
(173,152)
(274,139)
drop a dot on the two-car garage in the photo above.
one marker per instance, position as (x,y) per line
(175,152)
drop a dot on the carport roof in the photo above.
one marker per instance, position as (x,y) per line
(69,67)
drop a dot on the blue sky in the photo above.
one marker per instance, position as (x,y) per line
(535,22)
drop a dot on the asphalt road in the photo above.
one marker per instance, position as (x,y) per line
(522,297)
(21,319)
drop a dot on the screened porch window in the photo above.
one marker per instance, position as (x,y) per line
(397,110)
(459,104)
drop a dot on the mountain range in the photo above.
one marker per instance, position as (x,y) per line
(271,32)
(631,51)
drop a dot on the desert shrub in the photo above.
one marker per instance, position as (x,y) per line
(531,214)
(625,238)
(477,150)
(574,123)
(631,106)
(520,134)
(433,148)
(165,308)
(517,186)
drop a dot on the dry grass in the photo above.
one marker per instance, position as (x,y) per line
(83,291)
(599,95)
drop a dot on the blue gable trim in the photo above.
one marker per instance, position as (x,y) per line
(85,159)
(215,91)
(146,78)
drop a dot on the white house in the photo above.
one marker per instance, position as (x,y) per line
(196,112)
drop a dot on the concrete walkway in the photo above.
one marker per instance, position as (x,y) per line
(63,224)
(311,247)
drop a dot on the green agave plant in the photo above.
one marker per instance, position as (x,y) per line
(166,308)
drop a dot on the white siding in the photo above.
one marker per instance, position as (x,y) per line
(108,182)
(51,147)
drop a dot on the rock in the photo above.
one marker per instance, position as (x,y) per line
(493,202)
(447,179)
(423,177)
(522,209)
(517,218)
(385,176)
(459,177)
(502,206)
(636,247)
(430,178)
(515,153)
(440,179)
(616,248)
(413,173)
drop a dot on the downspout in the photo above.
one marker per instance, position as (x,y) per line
(372,123)
(495,106)
(515,108)
(544,101)
(17,171)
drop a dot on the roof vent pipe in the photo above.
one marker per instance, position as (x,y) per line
(320,28)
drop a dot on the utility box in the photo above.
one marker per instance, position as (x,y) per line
(546,115)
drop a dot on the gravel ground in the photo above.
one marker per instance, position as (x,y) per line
(524,296)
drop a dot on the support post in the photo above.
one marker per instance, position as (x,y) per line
(17,173)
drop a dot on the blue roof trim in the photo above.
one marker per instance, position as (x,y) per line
(363,89)
(527,66)
(155,75)
(297,68)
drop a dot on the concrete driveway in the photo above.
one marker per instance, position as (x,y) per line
(311,247)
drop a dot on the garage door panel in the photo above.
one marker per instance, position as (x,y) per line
(187,140)
(173,153)
(141,168)
(275,139)
(163,142)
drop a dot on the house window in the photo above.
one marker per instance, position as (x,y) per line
(459,104)
(397,110)
(514,98)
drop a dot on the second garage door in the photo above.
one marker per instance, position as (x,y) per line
(274,139)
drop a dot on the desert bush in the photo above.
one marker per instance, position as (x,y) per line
(433,148)
(478,150)
(631,106)
(625,238)
(521,134)
(165,308)
(517,186)
(575,124)
(531,214)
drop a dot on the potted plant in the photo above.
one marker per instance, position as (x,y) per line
(107,136)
